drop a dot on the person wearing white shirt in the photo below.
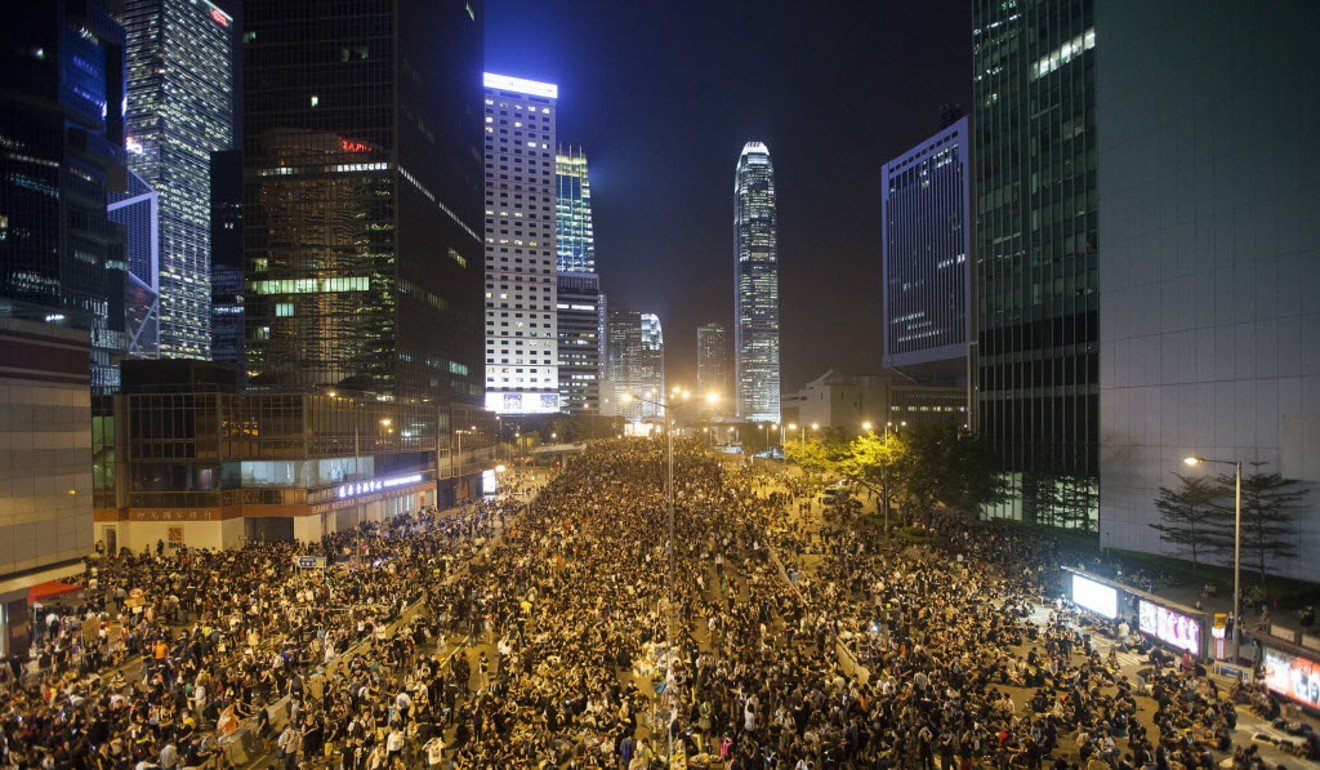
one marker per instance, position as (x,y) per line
(169,756)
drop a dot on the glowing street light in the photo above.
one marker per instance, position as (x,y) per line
(1192,462)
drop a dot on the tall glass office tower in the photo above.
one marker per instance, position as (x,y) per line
(756,290)
(62,135)
(578,299)
(635,362)
(180,110)
(362,197)
(924,201)
(1036,253)
(575,241)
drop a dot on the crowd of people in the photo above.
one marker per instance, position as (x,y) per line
(166,654)
(575,632)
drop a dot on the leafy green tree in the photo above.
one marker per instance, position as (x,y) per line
(817,458)
(1270,507)
(1192,521)
(880,463)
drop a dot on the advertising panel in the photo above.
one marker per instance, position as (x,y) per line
(522,403)
(1293,677)
(1096,597)
(1173,628)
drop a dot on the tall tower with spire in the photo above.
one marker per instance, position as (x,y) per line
(756,290)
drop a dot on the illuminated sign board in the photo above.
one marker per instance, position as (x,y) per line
(376,485)
(352,146)
(520,85)
(1173,628)
(1293,677)
(1096,597)
(522,403)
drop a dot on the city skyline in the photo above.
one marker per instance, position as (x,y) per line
(667,237)
(1012,303)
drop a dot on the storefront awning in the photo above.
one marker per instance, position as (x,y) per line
(51,588)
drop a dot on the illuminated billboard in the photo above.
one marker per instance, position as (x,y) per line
(1293,677)
(502,402)
(1173,628)
(1096,597)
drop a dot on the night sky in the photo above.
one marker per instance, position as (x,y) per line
(662,97)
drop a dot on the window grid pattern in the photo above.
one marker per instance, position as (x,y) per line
(180,110)
(926,243)
(1036,250)
(521,316)
(756,294)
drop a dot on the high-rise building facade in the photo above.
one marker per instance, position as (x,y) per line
(1209,314)
(635,363)
(756,289)
(227,259)
(1036,359)
(713,361)
(45,466)
(61,155)
(926,242)
(579,302)
(575,238)
(180,110)
(362,197)
(578,306)
(137,210)
(522,374)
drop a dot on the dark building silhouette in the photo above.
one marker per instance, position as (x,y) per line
(1034,152)
(227,258)
(362,198)
(61,154)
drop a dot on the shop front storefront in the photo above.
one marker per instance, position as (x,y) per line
(327,510)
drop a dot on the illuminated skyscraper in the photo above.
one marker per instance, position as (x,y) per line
(635,363)
(756,290)
(575,241)
(579,301)
(180,110)
(522,347)
(362,197)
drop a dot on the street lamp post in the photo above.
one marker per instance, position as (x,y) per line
(667,407)
(1237,545)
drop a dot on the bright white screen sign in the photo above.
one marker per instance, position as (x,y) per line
(1171,627)
(1096,597)
(520,85)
